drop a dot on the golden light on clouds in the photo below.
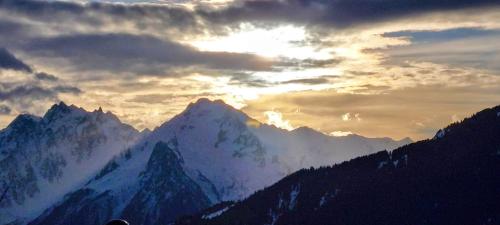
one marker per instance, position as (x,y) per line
(276,118)
(281,41)
(340,133)
(394,76)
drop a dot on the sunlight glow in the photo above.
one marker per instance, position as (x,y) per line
(276,118)
(282,41)
(340,133)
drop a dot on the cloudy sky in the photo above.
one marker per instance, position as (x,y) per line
(371,67)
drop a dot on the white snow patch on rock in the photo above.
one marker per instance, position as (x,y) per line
(293,196)
(327,196)
(322,201)
(216,213)
(274,216)
(440,134)
(280,202)
(381,164)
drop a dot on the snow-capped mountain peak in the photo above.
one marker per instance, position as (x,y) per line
(44,158)
(207,104)
(222,152)
(205,109)
(23,122)
(59,111)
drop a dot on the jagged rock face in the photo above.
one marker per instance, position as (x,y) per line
(217,145)
(221,150)
(163,192)
(233,150)
(167,192)
(41,159)
(146,185)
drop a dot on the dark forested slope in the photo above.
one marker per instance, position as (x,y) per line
(450,179)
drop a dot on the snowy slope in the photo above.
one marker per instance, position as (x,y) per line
(452,179)
(224,152)
(41,159)
(233,150)
(160,192)
(305,147)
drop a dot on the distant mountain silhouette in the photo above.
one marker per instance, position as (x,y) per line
(453,178)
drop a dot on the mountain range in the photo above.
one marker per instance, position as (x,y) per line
(450,179)
(75,167)
(43,158)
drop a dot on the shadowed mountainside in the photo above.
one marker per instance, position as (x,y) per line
(450,179)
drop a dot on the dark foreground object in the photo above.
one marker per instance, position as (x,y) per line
(451,179)
(117,222)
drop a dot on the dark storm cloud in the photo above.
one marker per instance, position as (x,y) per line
(97,14)
(30,92)
(76,31)
(26,96)
(471,47)
(337,13)
(246,79)
(360,73)
(485,58)
(136,54)
(67,89)
(250,81)
(45,76)
(308,63)
(426,36)
(12,32)
(321,62)
(5,110)
(9,61)
(310,81)
(10,26)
